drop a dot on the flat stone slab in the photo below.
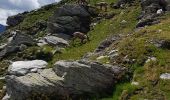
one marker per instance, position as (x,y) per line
(23,67)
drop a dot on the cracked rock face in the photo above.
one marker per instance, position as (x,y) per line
(66,80)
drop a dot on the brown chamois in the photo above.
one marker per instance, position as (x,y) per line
(102,5)
(80,36)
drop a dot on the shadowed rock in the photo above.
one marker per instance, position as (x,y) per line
(15,42)
(15,20)
(71,18)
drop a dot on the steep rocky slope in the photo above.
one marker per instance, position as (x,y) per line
(127,57)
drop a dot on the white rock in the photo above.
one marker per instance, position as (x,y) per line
(6,97)
(159,31)
(41,43)
(159,11)
(114,55)
(24,67)
(2,78)
(102,57)
(34,70)
(165,76)
(123,22)
(10,39)
(53,40)
(150,59)
(135,83)
(112,52)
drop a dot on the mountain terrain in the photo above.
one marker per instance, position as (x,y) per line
(127,56)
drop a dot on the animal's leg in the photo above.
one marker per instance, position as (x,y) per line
(73,39)
(82,41)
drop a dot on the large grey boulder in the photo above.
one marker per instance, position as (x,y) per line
(56,41)
(71,18)
(15,42)
(23,67)
(66,80)
(106,43)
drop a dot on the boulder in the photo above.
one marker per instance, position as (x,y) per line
(66,80)
(71,18)
(15,20)
(20,68)
(106,43)
(56,41)
(15,42)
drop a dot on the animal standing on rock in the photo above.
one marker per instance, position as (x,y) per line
(102,5)
(81,36)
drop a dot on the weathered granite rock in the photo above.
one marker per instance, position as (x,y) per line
(66,80)
(23,67)
(56,41)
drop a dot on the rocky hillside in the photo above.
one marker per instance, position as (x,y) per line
(127,57)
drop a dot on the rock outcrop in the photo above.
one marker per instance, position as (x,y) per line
(71,18)
(151,9)
(15,42)
(165,76)
(15,20)
(66,80)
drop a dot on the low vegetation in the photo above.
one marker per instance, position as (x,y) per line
(137,45)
